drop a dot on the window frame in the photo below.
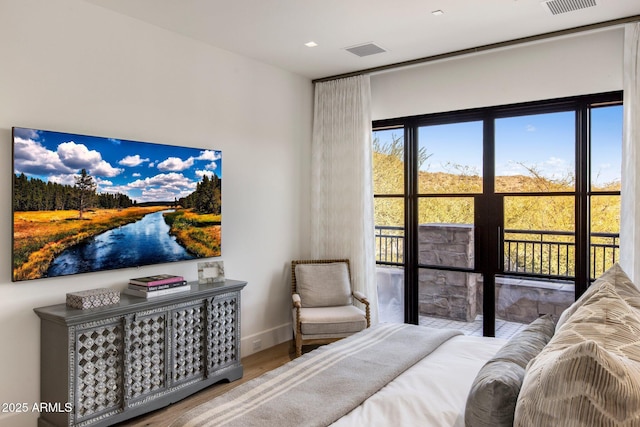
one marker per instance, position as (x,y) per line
(580,105)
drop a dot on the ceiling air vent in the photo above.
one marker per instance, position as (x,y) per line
(365,49)
(556,7)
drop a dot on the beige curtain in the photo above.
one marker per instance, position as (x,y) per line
(630,192)
(342,224)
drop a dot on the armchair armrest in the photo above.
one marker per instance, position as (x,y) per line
(363,299)
(360,297)
(296,300)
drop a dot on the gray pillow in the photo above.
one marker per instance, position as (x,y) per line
(323,285)
(494,392)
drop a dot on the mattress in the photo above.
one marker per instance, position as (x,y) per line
(433,392)
(389,374)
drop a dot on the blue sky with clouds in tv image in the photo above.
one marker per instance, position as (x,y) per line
(146,172)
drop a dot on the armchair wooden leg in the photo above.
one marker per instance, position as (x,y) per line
(298,345)
(368,314)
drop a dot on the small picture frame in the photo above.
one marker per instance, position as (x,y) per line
(210,272)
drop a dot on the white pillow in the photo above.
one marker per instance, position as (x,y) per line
(589,373)
(323,285)
(615,276)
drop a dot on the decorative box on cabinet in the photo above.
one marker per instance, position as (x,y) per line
(104,365)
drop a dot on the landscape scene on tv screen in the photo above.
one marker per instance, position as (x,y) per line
(84,203)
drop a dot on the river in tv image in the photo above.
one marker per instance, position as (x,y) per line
(143,242)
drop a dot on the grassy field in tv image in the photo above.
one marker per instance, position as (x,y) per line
(83,204)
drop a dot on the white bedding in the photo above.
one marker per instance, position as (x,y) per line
(431,393)
(387,375)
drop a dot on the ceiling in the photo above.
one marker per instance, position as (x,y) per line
(275,31)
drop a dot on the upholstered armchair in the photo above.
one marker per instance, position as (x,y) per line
(323,302)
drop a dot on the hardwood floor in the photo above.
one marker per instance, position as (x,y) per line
(254,366)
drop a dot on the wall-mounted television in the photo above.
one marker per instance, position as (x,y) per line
(85,203)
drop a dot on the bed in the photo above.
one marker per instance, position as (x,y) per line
(582,370)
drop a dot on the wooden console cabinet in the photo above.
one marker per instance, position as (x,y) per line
(104,365)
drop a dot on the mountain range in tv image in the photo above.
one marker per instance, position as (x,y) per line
(86,203)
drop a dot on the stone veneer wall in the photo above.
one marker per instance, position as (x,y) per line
(458,295)
(448,294)
(525,300)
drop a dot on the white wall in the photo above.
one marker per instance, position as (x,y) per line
(579,64)
(75,67)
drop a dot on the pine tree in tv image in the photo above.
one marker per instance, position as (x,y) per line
(85,203)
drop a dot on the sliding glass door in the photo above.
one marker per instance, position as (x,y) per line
(448,179)
(535,171)
(488,218)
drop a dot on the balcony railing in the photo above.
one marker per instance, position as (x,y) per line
(389,245)
(536,252)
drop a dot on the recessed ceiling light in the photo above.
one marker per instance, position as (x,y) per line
(437,12)
(311,44)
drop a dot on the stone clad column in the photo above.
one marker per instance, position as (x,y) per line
(447,294)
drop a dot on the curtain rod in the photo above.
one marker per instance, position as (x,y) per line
(483,48)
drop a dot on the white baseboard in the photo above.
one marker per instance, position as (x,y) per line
(265,339)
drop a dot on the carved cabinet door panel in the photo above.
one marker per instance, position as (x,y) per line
(188,343)
(97,371)
(145,370)
(224,331)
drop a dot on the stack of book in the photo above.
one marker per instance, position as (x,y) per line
(154,286)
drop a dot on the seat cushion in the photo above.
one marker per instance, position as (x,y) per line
(323,285)
(347,319)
